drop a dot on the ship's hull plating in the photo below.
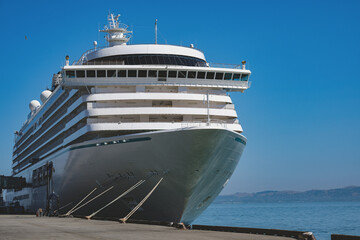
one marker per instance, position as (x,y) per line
(195,164)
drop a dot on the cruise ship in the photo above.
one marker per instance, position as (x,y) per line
(145,129)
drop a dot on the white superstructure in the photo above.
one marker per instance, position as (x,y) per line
(131,94)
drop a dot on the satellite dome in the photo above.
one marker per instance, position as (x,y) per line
(34,104)
(45,95)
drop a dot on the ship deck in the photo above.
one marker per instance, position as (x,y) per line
(31,227)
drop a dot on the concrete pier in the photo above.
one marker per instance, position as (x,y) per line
(31,227)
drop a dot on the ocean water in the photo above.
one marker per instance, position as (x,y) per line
(321,218)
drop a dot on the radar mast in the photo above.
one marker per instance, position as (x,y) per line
(117,33)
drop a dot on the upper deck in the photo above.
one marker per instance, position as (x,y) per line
(164,75)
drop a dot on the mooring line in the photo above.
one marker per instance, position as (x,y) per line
(68,213)
(123,220)
(63,207)
(120,196)
(91,199)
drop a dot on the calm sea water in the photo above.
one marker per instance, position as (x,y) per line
(321,218)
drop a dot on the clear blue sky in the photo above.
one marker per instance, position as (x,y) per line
(301,115)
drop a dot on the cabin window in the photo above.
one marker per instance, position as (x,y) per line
(182,74)
(191,74)
(219,76)
(228,76)
(90,73)
(210,75)
(244,77)
(152,73)
(236,76)
(80,73)
(162,74)
(201,75)
(111,73)
(172,74)
(70,74)
(131,73)
(101,73)
(142,73)
(121,73)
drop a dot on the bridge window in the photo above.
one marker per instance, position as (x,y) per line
(201,75)
(210,75)
(182,74)
(162,74)
(101,73)
(111,73)
(236,77)
(219,76)
(172,74)
(90,73)
(70,74)
(244,77)
(152,73)
(191,74)
(227,76)
(151,59)
(131,73)
(142,73)
(80,73)
(121,73)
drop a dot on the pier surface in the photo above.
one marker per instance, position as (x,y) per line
(31,227)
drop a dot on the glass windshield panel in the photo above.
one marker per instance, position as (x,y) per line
(191,74)
(152,73)
(210,75)
(182,74)
(201,75)
(101,73)
(142,73)
(244,77)
(80,73)
(140,59)
(162,73)
(70,74)
(219,76)
(131,73)
(111,73)
(172,74)
(236,77)
(90,73)
(121,73)
(228,76)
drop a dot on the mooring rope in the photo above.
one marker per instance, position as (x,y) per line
(120,196)
(92,199)
(63,207)
(68,213)
(141,203)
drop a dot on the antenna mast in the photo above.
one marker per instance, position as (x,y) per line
(155,31)
(117,33)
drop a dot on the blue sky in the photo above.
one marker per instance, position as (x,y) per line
(301,115)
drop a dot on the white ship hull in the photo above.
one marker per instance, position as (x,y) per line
(196,163)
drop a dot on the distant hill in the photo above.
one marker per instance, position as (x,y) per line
(331,195)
